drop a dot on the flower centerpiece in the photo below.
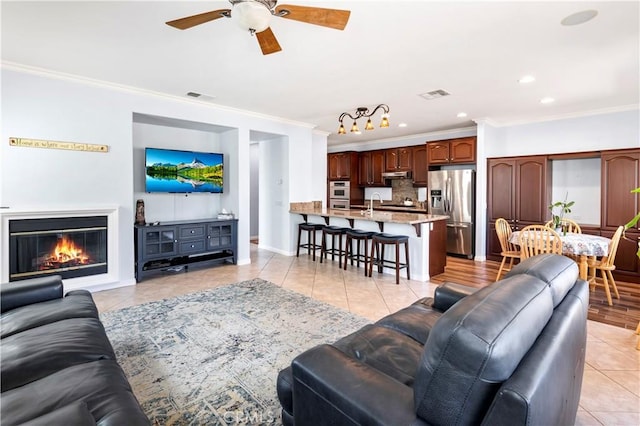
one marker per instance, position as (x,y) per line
(558,215)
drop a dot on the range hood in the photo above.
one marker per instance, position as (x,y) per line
(396,175)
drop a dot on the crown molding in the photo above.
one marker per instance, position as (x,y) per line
(43,72)
(566,116)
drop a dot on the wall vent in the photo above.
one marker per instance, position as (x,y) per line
(200,96)
(434,94)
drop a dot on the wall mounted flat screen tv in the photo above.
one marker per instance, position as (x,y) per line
(169,170)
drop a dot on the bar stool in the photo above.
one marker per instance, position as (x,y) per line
(334,232)
(358,236)
(311,229)
(379,241)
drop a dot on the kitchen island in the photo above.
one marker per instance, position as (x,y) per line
(427,233)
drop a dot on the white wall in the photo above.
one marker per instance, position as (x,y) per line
(56,107)
(578,180)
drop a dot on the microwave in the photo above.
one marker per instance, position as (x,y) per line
(339,190)
(336,203)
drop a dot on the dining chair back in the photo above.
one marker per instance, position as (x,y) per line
(606,265)
(508,250)
(538,239)
(567,225)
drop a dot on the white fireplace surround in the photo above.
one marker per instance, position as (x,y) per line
(92,283)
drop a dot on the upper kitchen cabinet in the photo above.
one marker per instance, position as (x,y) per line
(342,165)
(371,166)
(420,167)
(453,151)
(398,159)
(620,174)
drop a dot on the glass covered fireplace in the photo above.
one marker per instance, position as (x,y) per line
(71,247)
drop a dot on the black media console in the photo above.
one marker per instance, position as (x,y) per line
(173,246)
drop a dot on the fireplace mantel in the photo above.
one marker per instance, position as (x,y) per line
(91,283)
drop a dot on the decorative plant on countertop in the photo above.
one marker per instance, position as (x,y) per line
(565,207)
(633,222)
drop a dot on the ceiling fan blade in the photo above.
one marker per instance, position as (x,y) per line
(268,42)
(332,18)
(192,21)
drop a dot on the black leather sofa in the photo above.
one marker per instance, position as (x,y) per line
(511,353)
(58,366)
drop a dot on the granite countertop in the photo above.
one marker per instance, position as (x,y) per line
(378,216)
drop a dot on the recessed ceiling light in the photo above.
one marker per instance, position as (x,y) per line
(527,79)
(579,18)
(462,114)
(547,100)
(402,125)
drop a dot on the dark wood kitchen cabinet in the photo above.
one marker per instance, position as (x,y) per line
(518,190)
(371,166)
(342,165)
(420,168)
(453,151)
(620,174)
(398,159)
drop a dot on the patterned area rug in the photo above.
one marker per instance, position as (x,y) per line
(212,357)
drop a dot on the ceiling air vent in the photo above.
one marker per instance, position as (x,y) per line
(434,94)
(200,96)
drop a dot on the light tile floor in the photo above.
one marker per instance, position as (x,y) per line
(611,385)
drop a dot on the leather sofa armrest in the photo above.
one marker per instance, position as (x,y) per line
(448,294)
(331,388)
(34,290)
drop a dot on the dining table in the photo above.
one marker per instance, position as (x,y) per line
(579,246)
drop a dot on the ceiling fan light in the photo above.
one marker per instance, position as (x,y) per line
(354,128)
(385,120)
(341,129)
(369,125)
(251,16)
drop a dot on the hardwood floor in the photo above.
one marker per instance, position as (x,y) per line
(625,312)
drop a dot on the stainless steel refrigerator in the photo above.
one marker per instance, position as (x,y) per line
(452,193)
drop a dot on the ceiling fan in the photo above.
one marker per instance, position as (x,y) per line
(255,15)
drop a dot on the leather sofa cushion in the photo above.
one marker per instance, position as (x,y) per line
(76,414)
(414,321)
(394,354)
(76,304)
(559,272)
(40,351)
(101,385)
(476,345)
(34,290)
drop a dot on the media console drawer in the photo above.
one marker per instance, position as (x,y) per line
(172,246)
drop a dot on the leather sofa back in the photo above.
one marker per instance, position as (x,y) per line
(479,342)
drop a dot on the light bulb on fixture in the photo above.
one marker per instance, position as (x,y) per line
(251,16)
(342,130)
(354,128)
(369,125)
(385,120)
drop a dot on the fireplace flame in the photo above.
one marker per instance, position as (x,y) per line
(67,251)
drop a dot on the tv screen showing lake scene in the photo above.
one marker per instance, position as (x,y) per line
(183,171)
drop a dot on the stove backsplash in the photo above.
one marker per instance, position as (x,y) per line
(401,189)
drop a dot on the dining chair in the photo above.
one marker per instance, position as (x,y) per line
(538,239)
(568,225)
(509,251)
(605,265)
